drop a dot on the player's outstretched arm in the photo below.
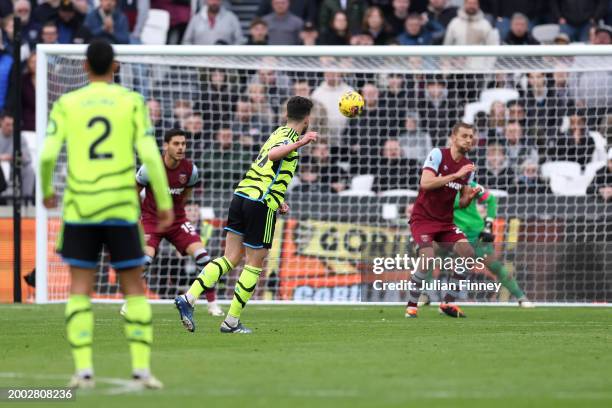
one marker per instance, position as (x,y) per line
(51,149)
(280,152)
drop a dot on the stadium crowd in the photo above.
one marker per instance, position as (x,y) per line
(555,116)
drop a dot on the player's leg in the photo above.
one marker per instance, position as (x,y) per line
(245,287)
(423,241)
(80,247)
(463,249)
(200,255)
(208,278)
(149,256)
(501,272)
(80,325)
(125,244)
(260,222)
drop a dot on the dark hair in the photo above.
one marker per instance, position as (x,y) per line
(173,132)
(258,21)
(6,114)
(100,56)
(298,108)
(414,16)
(49,24)
(461,125)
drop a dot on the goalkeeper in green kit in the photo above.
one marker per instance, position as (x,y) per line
(479,233)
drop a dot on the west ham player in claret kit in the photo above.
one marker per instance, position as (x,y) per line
(182,177)
(445,172)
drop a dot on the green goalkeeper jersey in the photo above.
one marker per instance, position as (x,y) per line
(468,219)
(267,181)
(101,125)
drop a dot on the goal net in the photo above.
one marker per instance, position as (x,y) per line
(542,119)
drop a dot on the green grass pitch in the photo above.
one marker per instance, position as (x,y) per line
(362,356)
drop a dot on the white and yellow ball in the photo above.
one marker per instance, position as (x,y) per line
(351,104)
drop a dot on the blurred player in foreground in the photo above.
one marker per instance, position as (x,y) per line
(446,171)
(182,176)
(252,217)
(101,124)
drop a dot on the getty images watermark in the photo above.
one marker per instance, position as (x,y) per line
(387,271)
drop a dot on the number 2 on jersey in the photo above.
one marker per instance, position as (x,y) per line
(93,155)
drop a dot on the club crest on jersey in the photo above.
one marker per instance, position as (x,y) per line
(182,178)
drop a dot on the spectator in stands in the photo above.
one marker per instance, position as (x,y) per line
(528,180)
(318,114)
(441,12)
(416,32)
(591,89)
(497,173)
(155,115)
(48,33)
(328,94)
(501,80)
(6,154)
(304,9)
(181,109)
(366,133)
(574,145)
(108,22)
(224,163)
(470,27)
(516,111)
(217,97)
(337,33)
(6,63)
(561,39)
(260,104)
(69,22)
(309,179)
(395,100)
(283,26)
(436,110)
(180,15)
(214,24)
(28,95)
(517,150)
(502,11)
(258,32)
(47,11)
(577,16)
(6,26)
(332,176)
(277,84)
(394,172)
(137,12)
(601,186)
(538,100)
(29,27)
(519,31)
(414,141)
(497,121)
(361,39)
(194,126)
(354,10)
(247,125)
(374,24)
(309,34)
(397,16)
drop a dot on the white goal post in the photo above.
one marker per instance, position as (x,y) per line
(527,103)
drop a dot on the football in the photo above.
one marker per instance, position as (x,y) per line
(351,104)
